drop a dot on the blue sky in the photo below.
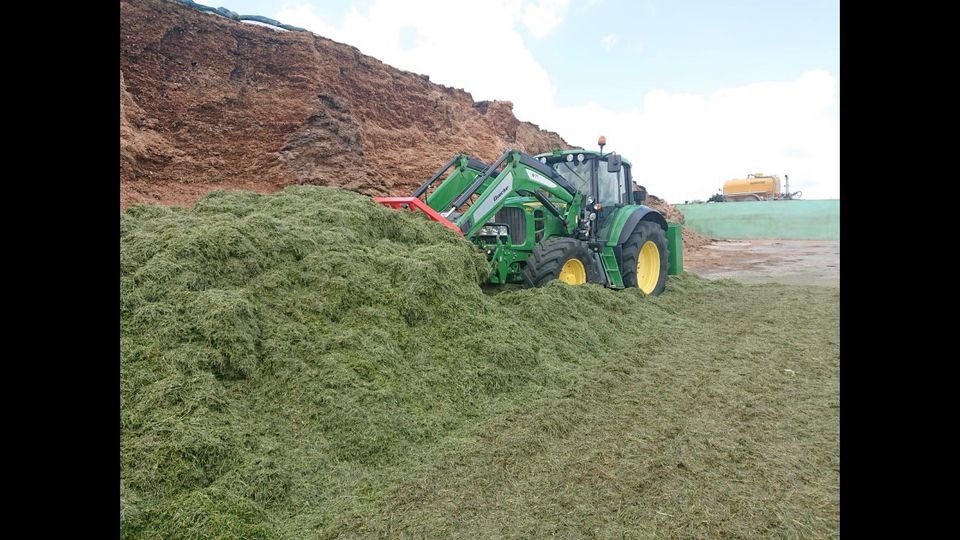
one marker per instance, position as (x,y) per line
(694,92)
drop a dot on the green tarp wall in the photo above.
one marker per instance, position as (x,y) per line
(788,220)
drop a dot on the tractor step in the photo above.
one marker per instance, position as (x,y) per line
(611,266)
(413,204)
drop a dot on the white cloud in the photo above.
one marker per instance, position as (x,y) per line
(302,15)
(609,41)
(478,58)
(683,146)
(541,18)
(584,6)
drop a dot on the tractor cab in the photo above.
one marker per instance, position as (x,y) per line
(604,179)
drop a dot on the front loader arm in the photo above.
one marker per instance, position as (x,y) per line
(466,170)
(522,175)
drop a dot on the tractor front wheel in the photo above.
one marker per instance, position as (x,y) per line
(566,259)
(646,258)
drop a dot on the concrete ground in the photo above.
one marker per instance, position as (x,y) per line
(793,262)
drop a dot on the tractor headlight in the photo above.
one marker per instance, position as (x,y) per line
(543,160)
(493,230)
(589,201)
(569,157)
(593,216)
(580,158)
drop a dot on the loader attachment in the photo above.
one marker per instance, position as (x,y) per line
(413,204)
(465,170)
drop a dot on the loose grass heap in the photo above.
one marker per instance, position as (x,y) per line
(309,363)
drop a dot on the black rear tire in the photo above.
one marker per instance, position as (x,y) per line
(645,231)
(550,256)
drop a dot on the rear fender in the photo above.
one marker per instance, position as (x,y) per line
(626,219)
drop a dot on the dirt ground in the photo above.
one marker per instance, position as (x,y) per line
(793,262)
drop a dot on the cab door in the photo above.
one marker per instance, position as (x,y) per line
(611,189)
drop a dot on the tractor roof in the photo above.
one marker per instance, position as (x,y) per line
(575,151)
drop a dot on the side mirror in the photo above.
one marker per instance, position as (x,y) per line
(613,163)
(639,195)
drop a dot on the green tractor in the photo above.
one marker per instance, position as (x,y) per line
(568,214)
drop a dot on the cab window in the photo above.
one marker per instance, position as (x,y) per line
(610,186)
(577,173)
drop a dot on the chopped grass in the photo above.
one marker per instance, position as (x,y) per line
(310,364)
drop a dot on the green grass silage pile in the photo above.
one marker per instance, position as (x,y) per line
(310,364)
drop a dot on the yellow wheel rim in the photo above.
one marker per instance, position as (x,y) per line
(648,267)
(573,273)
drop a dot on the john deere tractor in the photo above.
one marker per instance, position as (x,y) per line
(568,214)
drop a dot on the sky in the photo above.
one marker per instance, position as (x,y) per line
(692,92)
